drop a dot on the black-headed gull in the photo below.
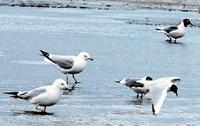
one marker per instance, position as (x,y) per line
(43,96)
(175,32)
(135,85)
(68,64)
(158,90)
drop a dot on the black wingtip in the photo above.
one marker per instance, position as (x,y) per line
(43,53)
(158,29)
(12,94)
(153,110)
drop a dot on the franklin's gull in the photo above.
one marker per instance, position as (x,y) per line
(175,32)
(135,85)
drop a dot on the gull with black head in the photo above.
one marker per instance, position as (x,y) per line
(175,32)
(136,85)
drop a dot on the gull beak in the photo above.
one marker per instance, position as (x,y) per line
(191,24)
(67,87)
(90,58)
(176,94)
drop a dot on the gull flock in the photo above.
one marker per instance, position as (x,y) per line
(49,95)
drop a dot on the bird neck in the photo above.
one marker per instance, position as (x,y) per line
(181,26)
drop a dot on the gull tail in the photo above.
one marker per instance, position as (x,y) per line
(46,57)
(158,28)
(12,94)
(161,30)
(117,81)
(43,53)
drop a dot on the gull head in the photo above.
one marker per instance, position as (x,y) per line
(174,89)
(85,56)
(187,22)
(61,84)
(145,79)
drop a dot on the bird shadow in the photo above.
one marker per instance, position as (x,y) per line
(174,43)
(32,113)
(136,101)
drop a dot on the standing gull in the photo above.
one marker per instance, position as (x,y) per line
(43,96)
(135,85)
(175,32)
(68,64)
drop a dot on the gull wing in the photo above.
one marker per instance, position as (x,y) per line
(133,83)
(158,93)
(169,29)
(65,62)
(33,93)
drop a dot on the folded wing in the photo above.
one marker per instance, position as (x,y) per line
(33,93)
(65,62)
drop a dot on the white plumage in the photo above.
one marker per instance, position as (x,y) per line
(43,96)
(68,64)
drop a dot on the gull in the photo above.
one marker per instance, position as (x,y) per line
(136,85)
(68,64)
(43,96)
(158,90)
(175,32)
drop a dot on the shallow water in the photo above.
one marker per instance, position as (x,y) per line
(119,50)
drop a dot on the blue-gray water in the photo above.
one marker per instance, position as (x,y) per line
(119,50)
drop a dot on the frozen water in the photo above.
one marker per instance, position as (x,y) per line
(119,50)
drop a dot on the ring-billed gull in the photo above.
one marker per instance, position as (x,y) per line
(175,31)
(68,64)
(43,96)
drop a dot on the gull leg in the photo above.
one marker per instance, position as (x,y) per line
(75,79)
(67,79)
(175,41)
(137,96)
(170,39)
(141,96)
(44,109)
(36,107)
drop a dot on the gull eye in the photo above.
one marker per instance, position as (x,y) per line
(62,84)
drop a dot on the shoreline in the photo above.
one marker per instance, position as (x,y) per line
(171,5)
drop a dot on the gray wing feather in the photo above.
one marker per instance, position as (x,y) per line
(133,83)
(32,93)
(169,29)
(65,62)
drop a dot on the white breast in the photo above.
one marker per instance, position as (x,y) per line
(78,66)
